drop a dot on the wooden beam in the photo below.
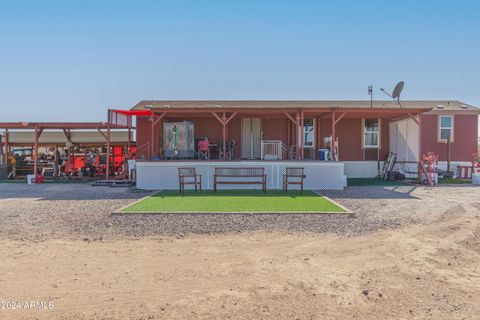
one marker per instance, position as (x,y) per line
(417,121)
(40,131)
(217,117)
(102,133)
(68,134)
(340,117)
(291,118)
(152,131)
(231,117)
(321,115)
(157,120)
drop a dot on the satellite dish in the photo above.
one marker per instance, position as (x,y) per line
(398,90)
(395,93)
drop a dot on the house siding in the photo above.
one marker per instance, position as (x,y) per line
(348,131)
(465,136)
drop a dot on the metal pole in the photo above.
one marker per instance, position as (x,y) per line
(107,172)
(35,162)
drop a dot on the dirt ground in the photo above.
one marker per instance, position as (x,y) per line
(428,269)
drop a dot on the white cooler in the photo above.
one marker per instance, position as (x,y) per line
(476,178)
(31,179)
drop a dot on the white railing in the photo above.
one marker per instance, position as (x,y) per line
(273,150)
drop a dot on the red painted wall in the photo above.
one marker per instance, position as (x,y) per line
(349,133)
(465,132)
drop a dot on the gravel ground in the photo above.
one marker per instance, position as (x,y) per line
(80,211)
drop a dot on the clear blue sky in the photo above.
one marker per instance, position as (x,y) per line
(71,60)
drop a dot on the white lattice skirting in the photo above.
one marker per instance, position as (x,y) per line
(320,175)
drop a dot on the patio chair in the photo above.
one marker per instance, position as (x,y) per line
(203,150)
(293,176)
(229,151)
(189,176)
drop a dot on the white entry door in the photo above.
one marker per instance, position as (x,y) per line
(251,138)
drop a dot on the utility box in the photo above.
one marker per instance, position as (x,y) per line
(178,140)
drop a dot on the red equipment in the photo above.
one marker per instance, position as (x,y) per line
(428,169)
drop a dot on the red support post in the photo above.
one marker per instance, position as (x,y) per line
(107,171)
(302,132)
(152,139)
(419,136)
(224,133)
(297,138)
(7,147)
(317,138)
(129,141)
(333,135)
(35,162)
(289,126)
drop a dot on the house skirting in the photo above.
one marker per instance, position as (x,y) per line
(320,175)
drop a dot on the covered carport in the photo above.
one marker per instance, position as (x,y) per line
(52,133)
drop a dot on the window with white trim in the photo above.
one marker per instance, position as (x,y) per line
(309,130)
(445,128)
(371,133)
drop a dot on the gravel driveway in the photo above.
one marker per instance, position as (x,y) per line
(80,211)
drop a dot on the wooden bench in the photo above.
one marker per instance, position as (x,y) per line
(189,176)
(253,175)
(293,176)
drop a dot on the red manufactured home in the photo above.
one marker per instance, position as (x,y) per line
(359,134)
(347,121)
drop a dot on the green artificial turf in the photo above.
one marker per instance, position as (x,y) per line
(454,181)
(234,201)
(372,182)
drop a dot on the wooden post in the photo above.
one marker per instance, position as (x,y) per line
(224,134)
(288,134)
(129,147)
(317,138)
(302,132)
(152,138)
(297,137)
(420,138)
(7,147)
(448,153)
(107,171)
(332,144)
(35,162)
